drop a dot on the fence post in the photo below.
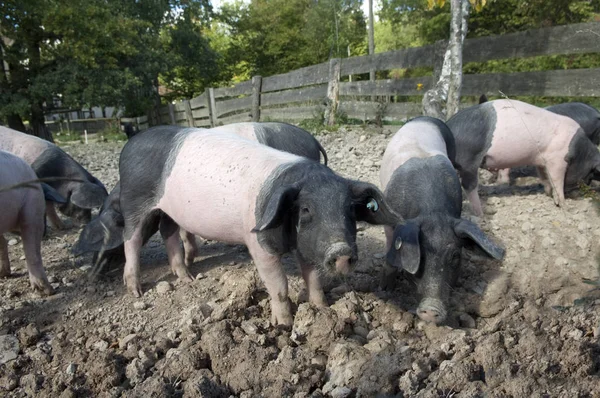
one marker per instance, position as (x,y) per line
(212,107)
(256,87)
(172,114)
(189,118)
(333,91)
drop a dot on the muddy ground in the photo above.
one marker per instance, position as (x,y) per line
(526,327)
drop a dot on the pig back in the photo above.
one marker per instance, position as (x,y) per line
(418,138)
(23,145)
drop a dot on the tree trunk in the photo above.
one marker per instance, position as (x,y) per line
(38,124)
(15,122)
(371,42)
(447,89)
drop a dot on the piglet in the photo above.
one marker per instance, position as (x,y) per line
(422,186)
(23,212)
(222,187)
(48,160)
(504,133)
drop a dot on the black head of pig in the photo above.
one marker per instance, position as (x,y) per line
(317,215)
(105,232)
(429,248)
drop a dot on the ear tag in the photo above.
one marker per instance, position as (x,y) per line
(373,205)
(398,244)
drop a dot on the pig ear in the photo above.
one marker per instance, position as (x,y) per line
(52,195)
(408,248)
(280,202)
(371,206)
(467,230)
(88,196)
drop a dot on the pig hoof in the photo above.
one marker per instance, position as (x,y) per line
(184,275)
(135,288)
(43,287)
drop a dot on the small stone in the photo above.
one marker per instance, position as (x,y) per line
(126,340)
(362,138)
(139,305)
(200,276)
(101,345)
(367,163)
(249,327)
(72,368)
(575,334)
(163,287)
(65,281)
(85,268)
(9,348)
(13,242)
(319,361)
(341,392)
(29,335)
(361,331)
(597,332)
(22,258)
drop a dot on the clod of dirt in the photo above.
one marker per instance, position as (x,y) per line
(316,327)
(29,335)
(9,348)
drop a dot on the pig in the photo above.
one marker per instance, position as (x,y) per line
(282,136)
(421,185)
(223,187)
(48,160)
(23,211)
(585,115)
(505,133)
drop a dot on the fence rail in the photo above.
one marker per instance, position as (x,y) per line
(328,88)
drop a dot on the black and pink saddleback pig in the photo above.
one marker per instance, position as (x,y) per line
(22,212)
(48,160)
(105,232)
(422,186)
(223,187)
(504,133)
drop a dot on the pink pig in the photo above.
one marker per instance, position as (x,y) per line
(504,133)
(23,211)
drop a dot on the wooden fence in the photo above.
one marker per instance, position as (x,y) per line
(328,88)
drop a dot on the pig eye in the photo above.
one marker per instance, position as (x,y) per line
(305,210)
(373,205)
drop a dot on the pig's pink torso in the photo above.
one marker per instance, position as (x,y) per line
(20,204)
(23,145)
(528,135)
(212,188)
(415,140)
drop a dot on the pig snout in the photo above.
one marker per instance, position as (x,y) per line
(432,310)
(340,258)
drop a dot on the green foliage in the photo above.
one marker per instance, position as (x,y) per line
(278,36)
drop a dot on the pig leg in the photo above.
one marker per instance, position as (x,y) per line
(169,232)
(32,239)
(313,284)
(189,246)
(272,275)
(545,181)
(503,176)
(556,175)
(470,181)
(53,216)
(131,274)
(4,261)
